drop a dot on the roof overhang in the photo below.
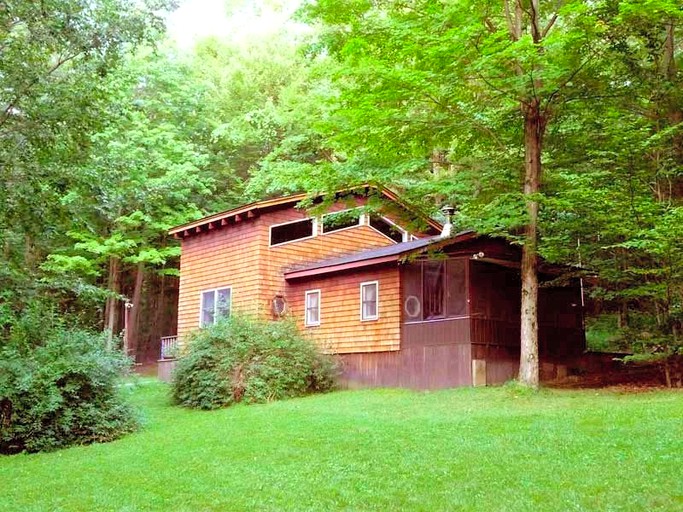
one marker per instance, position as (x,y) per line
(396,253)
(341,267)
(254,209)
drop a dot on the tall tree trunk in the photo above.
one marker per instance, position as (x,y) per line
(159,314)
(132,336)
(111,308)
(534,129)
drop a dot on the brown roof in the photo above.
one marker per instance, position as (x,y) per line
(375,256)
(250,210)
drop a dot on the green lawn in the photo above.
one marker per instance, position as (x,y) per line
(464,449)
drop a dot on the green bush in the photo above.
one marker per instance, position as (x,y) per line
(60,392)
(245,360)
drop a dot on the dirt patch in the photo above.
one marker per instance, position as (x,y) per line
(146,369)
(629,378)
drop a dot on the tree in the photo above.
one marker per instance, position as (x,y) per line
(623,154)
(53,56)
(145,174)
(473,86)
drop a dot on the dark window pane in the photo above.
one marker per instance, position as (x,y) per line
(291,231)
(456,299)
(433,289)
(340,220)
(412,292)
(386,228)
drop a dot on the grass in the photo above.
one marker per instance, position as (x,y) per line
(465,449)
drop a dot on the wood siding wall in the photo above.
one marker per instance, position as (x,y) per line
(240,256)
(341,330)
(229,256)
(329,245)
(418,367)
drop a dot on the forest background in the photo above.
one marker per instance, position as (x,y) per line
(557,125)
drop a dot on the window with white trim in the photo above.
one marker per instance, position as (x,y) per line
(369,300)
(312,316)
(215,305)
(388,228)
(343,219)
(290,231)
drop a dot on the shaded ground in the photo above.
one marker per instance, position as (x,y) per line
(146,369)
(627,377)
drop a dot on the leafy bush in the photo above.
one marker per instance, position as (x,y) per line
(245,360)
(60,392)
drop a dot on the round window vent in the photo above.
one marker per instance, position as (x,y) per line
(279,305)
(412,306)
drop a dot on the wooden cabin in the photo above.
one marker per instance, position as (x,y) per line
(401,304)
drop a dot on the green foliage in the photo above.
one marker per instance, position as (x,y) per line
(58,387)
(245,360)
(55,57)
(602,334)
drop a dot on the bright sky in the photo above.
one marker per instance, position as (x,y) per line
(230,19)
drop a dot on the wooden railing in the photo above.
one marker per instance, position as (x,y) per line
(169,347)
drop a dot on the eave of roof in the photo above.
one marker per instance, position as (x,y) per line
(369,257)
(252,210)
(237,212)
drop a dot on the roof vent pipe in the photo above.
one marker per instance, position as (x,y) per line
(447,230)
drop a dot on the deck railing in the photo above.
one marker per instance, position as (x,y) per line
(169,347)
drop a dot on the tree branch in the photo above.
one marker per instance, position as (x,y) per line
(550,24)
(13,103)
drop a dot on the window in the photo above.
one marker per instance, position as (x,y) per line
(369,301)
(297,230)
(433,277)
(434,290)
(341,220)
(312,317)
(388,228)
(215,304)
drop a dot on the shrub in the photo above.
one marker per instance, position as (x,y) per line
(60,392)
(245,360)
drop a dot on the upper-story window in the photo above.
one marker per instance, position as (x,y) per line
(215,304)
(389,229)
(341,220)
(290,231)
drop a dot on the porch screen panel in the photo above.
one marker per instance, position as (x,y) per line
(412,292)
(433,289)
(456,296)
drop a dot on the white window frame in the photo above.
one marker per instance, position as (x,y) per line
(306,319)
(215,302)
(405,235)
(314,231)
(361,221)
(364,318)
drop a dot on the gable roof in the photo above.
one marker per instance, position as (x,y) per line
(252,210)
(376,256)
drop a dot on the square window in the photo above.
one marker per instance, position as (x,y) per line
(215,305)
(369,301)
